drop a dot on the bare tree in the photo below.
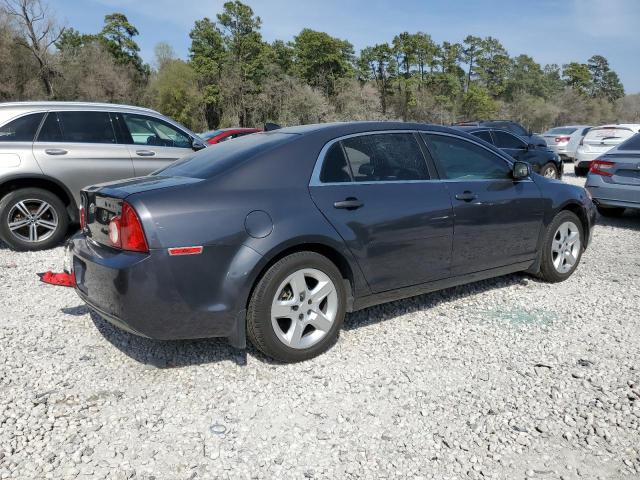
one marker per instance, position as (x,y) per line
(39,31)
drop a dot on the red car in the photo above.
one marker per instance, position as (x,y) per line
(224,134)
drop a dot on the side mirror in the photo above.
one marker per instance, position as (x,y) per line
(198,144)
(520,170)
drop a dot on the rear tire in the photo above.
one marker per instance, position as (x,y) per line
(610,211)
(580,171)
(560,253)
(24,227)
(549,171)
(286,305)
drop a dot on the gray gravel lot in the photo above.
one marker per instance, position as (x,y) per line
(507,378)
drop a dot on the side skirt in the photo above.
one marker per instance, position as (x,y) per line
(412,291)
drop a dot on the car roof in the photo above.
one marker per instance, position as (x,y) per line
(620,125)
(346,128)
(46,105)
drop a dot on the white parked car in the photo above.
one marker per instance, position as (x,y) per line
(600,140)
(558,139)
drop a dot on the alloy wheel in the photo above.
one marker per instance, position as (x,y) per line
(304,308)
(550,172)
(32,220)
(565,247)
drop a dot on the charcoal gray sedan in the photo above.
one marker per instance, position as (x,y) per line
(275,236)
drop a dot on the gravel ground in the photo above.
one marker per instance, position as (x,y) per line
(508,378)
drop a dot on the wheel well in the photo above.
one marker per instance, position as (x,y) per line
(43,183)
(577,209)
(332,254)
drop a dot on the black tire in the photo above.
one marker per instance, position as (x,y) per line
(13,198)
(610,211)
(548,271)
(259,327)
(550,167)
(580,171)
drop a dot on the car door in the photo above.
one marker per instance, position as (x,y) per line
(79,148)
(497,220)
(153,143)
(378,192)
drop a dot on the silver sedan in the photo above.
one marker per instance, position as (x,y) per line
(614,178)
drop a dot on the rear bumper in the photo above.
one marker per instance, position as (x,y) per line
(165,298)
(613,195)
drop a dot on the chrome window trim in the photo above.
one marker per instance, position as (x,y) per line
(315,175)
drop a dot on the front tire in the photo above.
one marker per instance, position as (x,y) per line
(549,171)
(32,219)
(562,247)
(297,308)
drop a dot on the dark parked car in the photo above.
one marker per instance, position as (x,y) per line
(509,126)
(279,234)
(542,160)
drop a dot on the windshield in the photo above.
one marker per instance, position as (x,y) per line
(560,131)
(211,161)
(209,134)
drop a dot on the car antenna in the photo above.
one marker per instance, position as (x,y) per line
(268,127)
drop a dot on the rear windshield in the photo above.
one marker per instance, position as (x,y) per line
(560,131)
(216,159)
(210,134)
(632,144)
(609,133)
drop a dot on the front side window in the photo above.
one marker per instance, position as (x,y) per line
(21,129)
(484,135)
(506,140)
(385,157)
(154,132)
(86,127)
(459,159)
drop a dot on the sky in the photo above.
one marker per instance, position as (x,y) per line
(551,31)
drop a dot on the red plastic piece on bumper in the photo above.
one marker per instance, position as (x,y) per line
(62,279)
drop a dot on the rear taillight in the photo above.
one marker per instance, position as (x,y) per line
(602,167)
(83,220)
(125,231)
(561,139)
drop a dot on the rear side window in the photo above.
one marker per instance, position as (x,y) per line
(21,129)
(484,135)
(50,130)
(459,159)
(87,127)
(385,157)
(77,127)
(506,140)
(632,144)
(335,168)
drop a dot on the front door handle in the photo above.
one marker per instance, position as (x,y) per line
(55,151)
(145,153)
(350,203)
(466,196)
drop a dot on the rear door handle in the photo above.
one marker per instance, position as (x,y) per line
(55,151)
(145,153)
(348,204)
(466,196)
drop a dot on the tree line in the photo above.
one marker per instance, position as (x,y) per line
(233,77)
